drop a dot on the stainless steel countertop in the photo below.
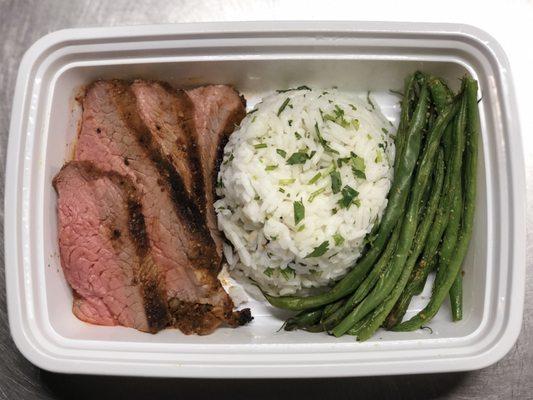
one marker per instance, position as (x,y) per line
(22,22)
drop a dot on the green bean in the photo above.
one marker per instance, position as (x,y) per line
(314,328)
(459,251)
(421,272)
(359,325)
(367,284)
(429,255)
(399,140)
(302,320)
(332,307)
(396,203)
(400,308)
(456,297)
(442,95)
(409,225)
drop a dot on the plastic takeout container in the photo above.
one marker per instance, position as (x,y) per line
(256,58)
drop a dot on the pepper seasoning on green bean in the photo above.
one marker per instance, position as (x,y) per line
(448,275)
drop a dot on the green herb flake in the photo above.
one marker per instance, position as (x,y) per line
(260,146)
(268,272)
(357,202)
(281,190)
(353,107)
(396,92)
(314,179)
(254,118)
(256,197)
(323,142)
(339,240)
(303,87)
(337,117)
(281,152)
(348,195)
(369,100)
(319,250)
(219,184)
(358,166)
(229,159)
(313,195)
(384,130)
(378,158)
(298,136)
(334,211)
(343,160)
(301,228)
(286,181)
(271,167)
(288,273)
(290,122)
(254,110)
(299,212)
(355,124)
(336,182)
(283,106)
(297,158)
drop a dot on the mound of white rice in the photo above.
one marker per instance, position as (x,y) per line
(303,181)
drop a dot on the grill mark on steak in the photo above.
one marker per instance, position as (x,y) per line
(106,200)
(190,213)
(137,227)
(155,305)
(182,248)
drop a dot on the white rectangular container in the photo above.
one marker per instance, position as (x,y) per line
(255,58)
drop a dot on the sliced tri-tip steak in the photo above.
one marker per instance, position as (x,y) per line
(114,138)
(218,109)
(168,114)
(104,250)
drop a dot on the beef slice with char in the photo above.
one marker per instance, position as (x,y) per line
(192,128)
(168,115)
(114,138)
(104,250)
(218,109)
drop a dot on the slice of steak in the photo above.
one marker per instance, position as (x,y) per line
(168,114)
(114,138)
(104,250)
(218,109)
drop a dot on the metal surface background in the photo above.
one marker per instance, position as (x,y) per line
(22,22)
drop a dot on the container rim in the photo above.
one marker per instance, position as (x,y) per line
(34,346)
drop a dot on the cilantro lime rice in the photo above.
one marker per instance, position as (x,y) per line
(303,181)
